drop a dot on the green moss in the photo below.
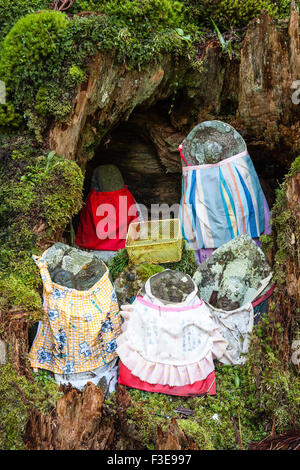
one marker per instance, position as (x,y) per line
(274,388)
(14,410)
(286,227)
(158,13)
(12,10)
(187,264)
(211,424)
(8,116)
(295,167)
(38,196)
(147,270)
(51,51)
(234,13)
(266,243)
(250,399)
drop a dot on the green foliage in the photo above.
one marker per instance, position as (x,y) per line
(233,13)
(226,45)
(211,424)
(187,264)
(286,227)
(14,409)
(44,56)
(250,400)
(9,116)
(43,376)
(274,389)
(118,263)
(12,10)
(157,13)
(38,196)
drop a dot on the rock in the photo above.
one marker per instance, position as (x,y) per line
(86,278)
(127,284)
(62,277)
(74,268)
(105,256)
(171,286)
(231,294)
(132,280)
(211,142)
(75,260)
(3,353)
(107,178)
(233,273)
(55,255)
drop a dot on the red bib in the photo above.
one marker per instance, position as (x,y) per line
(202,387)
(104,220)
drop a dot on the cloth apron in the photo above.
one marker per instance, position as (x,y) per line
(221,201)
(169,347)
(79,329)
(236,327)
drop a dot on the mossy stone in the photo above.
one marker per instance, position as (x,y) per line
(234,271)
(107,178)
(212,141)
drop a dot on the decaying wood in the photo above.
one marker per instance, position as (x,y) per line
(270,63)
(174,439)
(15,334)
(82,421)
(286,441)
(151,175)
(252,92)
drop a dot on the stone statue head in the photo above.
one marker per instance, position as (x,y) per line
(231,293)
(107,178)
(210,142)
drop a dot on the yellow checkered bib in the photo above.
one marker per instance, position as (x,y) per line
(79,330)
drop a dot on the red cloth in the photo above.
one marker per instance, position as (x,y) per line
(203,387)
(104,220)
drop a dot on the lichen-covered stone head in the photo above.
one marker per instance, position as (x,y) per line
(211,142)
(233,273)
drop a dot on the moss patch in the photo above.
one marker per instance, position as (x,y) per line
(250,399)
(53,50)
(17,397)
(38,196)
(187,264)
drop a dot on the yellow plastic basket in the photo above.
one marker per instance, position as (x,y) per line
(155,241)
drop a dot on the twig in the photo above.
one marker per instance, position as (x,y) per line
(273,427)
(240,428)
(237,435)
(26,401)
(107,390)
(62,5)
